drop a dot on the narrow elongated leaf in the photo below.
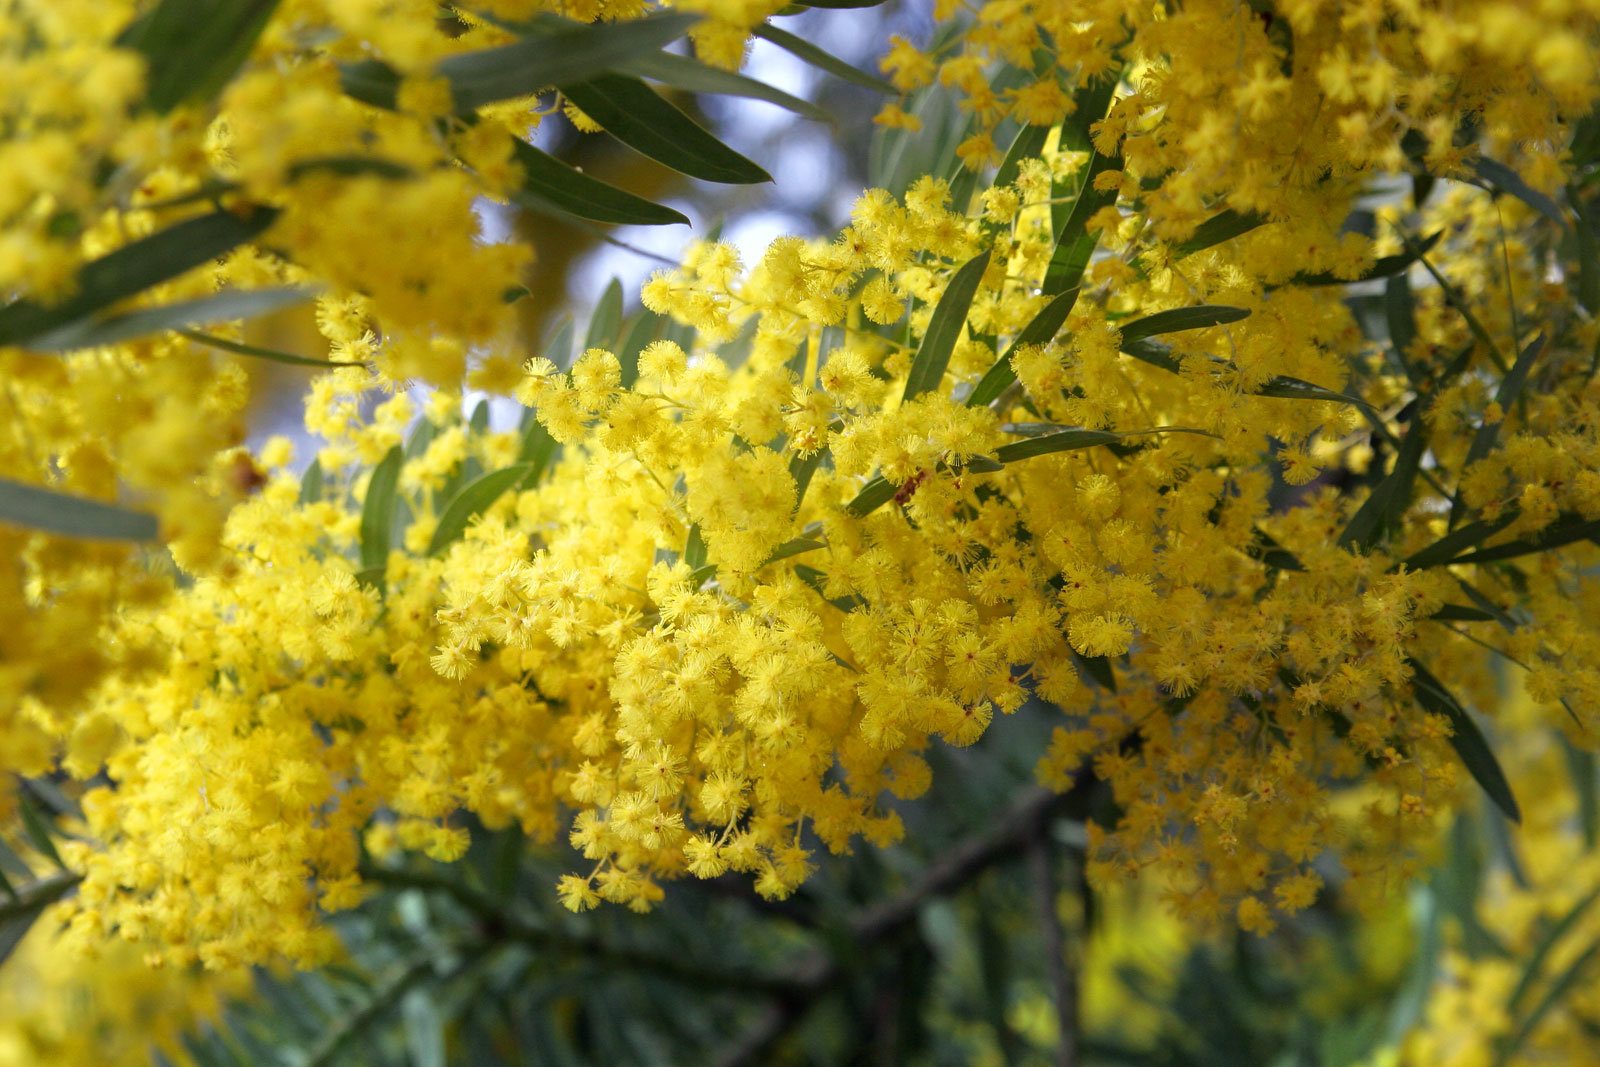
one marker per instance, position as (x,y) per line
(272,355)
(810,53)
(538,449)
(566,52)
(1461,613)
(1511,387)
(694,549)
(634,114)
(1509,181)
(227,306)
(1041,330)
(1283,387)
(550,185)
(1179,319)
(1028,143)
(945,327)
(1224,226)
(692,76)
(1155,353)
(1456,542)
(311,483)
(644,328)
(134,268)
(73,516)
(1547,943)
(1400,313)
(605,325)
(377,514)
(193,47)
(424,1028)
(1391,497)
(1558,989)
(801,469)
(474,499)
(1075,244)
(796,547)
(877,492)
(18,913)
(37,828)
(1564,531)
(1384,267)
(1064,441)
(1466,739)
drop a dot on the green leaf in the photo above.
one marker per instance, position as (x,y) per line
(1400,311)
(1040,330)
(1155,353)
(134,268)
(565,52)
(1384,267)
(605,324)
(1546,944)
(473,499)
(945,327)
(634,114)
(1506,180)
(694,549)
(549,185)
(272,355)
(424,1028)
(311,483)
(796,547)
(1177,319)
(1063,441)
(1075,244)
(377,515)
(537,450)
(643,329)
(1097,668)
(810,53)
(876,493)
(1028,143)
(1564,531)
(17,914)
(801,469)
(1221,227)
(37,828)
(227,306)
(692,76)
(1511,387)
(1461,613)
(1558,989)
(1466,739)
(1581,766)
(1283,387)
(72,516)
(1391,497)
(194,47)
(1452,544)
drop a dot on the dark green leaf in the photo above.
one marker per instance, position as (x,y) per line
(692,76)
(1390,498)
(1457,541)
(945,327)
(1385,267)
(1511,387)
(1221,227)
(795,547)
(1559,987)
(567,52)
(272,355)
(550,185)
(1098,668)
(644,328)
(311,483)
(694,549)
(1461,613)
(1063,441)
(1582,767)
(72,516)
(194,47)
(37,828)
(377,514)
(876,493)
(634,114)
(801,470)
(18,913)
(1283,387)
(1400,311)
(605,325)
(1507,180)
(1074,243)
(1564,531)
(351,167)
(1155,353)
(1041,330)
(815,56)
(1466,739)
(1028,143)
(473,499)
(1178,319)
(227,306)
(134,268)
(1542,950)
(538,449)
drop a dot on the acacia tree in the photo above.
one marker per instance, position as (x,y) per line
(1204,391)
